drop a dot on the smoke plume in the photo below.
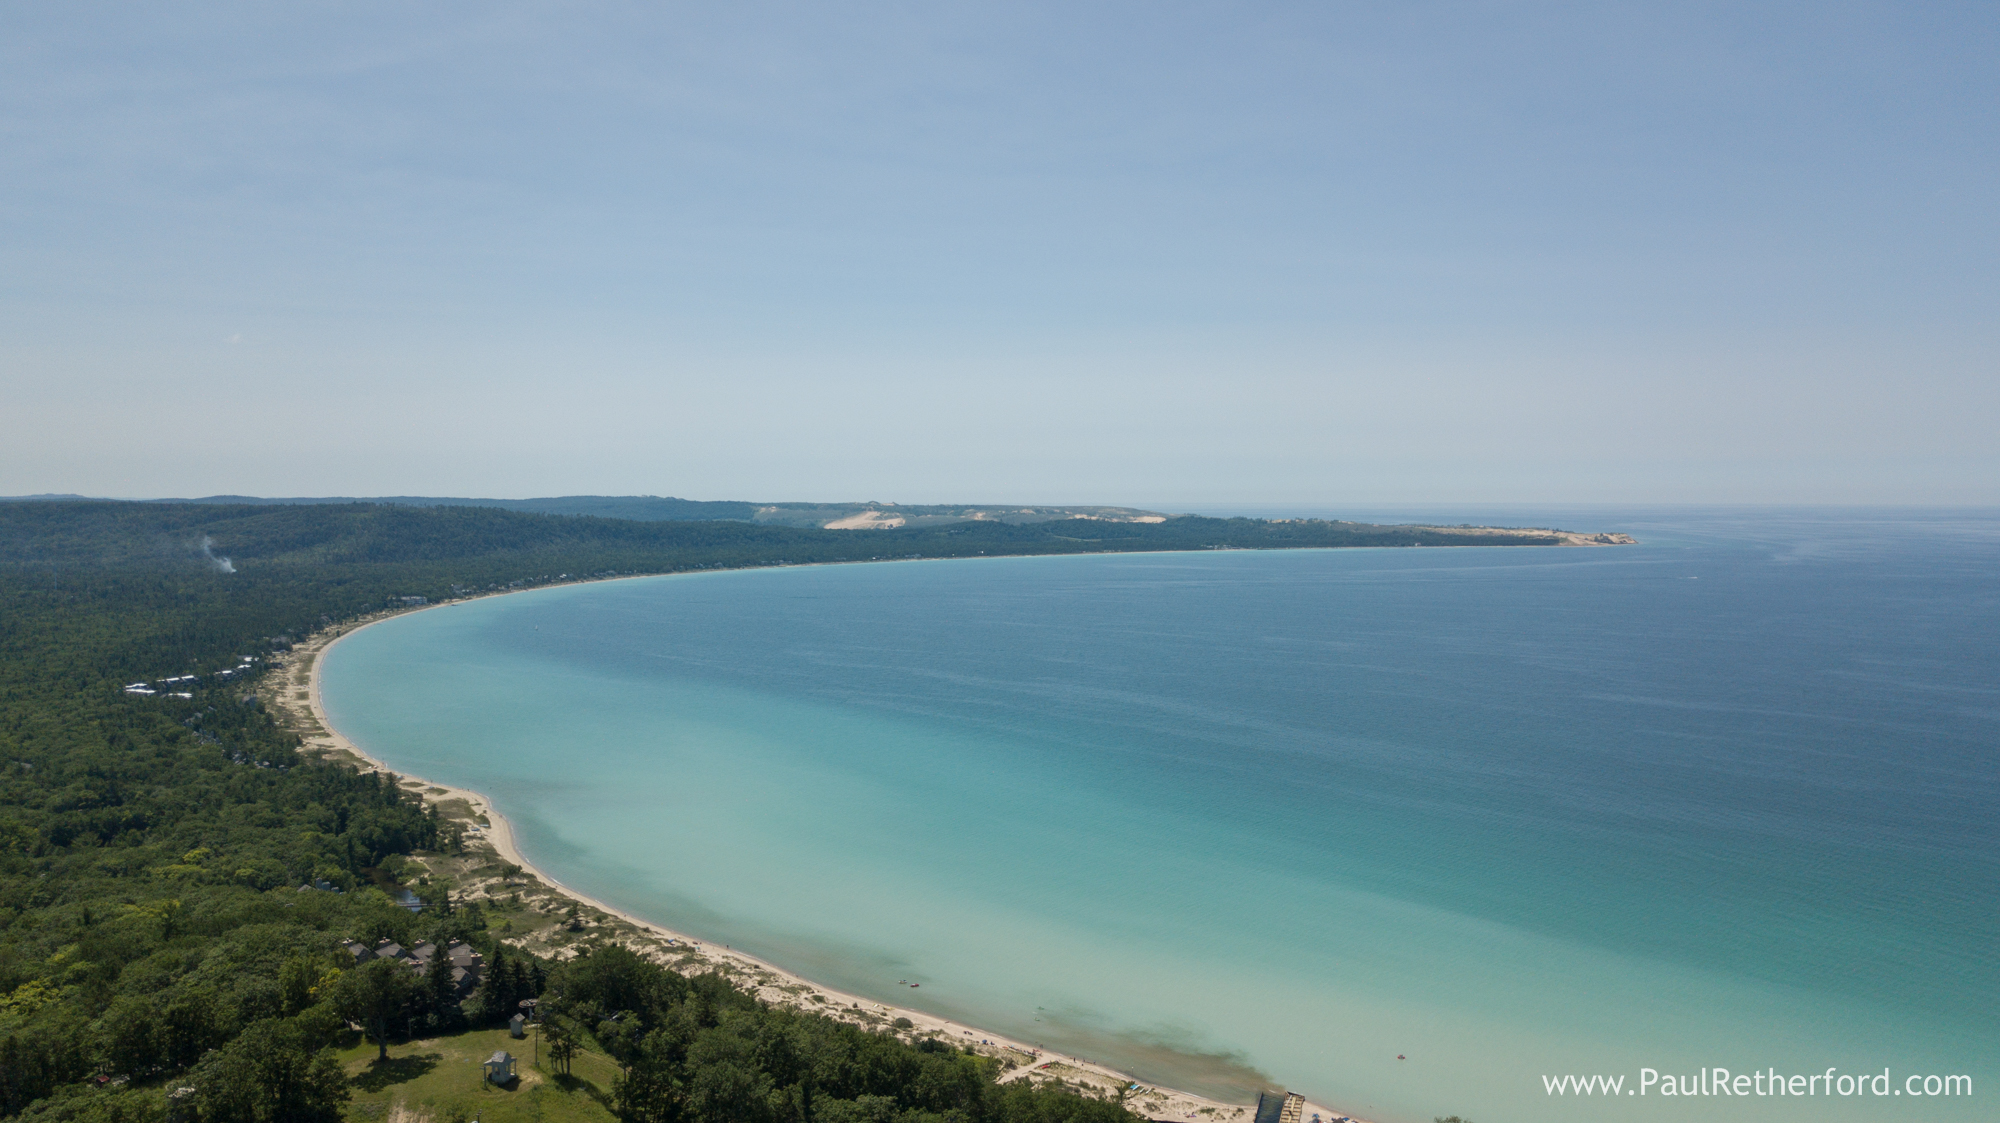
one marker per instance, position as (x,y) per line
(222,565)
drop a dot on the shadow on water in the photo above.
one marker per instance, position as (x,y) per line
(1161,1058)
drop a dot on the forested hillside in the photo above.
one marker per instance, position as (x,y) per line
(645,508)
(113,589)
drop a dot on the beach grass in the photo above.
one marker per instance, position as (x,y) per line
(440,1079)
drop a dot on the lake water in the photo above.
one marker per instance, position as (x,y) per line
(1726,798)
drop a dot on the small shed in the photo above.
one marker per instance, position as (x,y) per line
(500,1067)
(514,1025)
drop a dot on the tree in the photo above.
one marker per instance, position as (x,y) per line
(727,1091)
(166,914)
(129,1032)
(271,1073)
(302,982)
(192,1023)
(497,999)
(38,1058)
(440,996)
(561,1038)
(375,994)
(654,1088)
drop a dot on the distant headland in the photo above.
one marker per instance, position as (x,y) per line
(883,516)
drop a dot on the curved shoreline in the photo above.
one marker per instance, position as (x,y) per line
(768,981)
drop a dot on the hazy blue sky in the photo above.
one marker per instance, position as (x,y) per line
(1139,252)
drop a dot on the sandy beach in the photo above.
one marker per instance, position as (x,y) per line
(292,687)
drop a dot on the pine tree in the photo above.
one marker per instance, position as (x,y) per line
(441,996)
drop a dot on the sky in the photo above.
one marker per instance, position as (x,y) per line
(1152,254)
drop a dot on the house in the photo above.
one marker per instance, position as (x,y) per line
(500,1067)
(466,964)
(464,958)
(467,967)
(514,1026)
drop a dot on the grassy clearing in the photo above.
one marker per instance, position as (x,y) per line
(428,1081)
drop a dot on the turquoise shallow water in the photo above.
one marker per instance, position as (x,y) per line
(1725,798)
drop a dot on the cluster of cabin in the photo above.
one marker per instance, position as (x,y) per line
(467,965)
(166,685)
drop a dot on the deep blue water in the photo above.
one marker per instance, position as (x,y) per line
(1728,797)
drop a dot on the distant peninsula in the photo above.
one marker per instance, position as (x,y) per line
(876,515)
(420,551)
